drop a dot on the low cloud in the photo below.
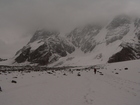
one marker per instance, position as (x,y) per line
(20,18)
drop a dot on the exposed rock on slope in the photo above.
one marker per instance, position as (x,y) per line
(2,59)
(44,47)
(83,37)
(117,41)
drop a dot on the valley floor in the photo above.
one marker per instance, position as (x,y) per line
(116,85)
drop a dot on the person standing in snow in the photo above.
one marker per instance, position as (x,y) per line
(95,70)
(0,89)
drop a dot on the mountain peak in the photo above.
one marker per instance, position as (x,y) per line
(119,21)
(108,43)
(46,46)
(43,34)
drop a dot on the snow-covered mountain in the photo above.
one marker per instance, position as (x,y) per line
(119,40)
(114,84)
(44,47)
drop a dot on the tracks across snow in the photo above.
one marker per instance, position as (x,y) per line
(70,89)
(109,89)
(128,86)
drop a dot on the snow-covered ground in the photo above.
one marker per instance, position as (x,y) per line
(116,85)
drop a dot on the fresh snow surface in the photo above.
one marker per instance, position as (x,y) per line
(116,86)
(130,35)
(36,44)
(100,38)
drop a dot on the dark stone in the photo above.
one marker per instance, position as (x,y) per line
(13,81)
(126,68)
(64,74)
(14,77)
(49,72)
(78,74)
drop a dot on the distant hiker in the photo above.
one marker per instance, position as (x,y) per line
(0,89)
(95,70)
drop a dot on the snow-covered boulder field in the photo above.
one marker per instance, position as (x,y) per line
(114,84)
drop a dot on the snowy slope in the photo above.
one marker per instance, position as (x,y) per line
(118,40)
(114,86)
(44,47)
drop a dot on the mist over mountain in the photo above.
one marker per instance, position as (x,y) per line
(118,40)
(44,47)
(20,19)
(69,52)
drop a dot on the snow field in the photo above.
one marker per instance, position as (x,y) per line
(66,87)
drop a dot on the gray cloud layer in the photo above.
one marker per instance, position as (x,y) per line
(19,17)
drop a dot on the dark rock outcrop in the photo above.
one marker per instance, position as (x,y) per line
(50,47)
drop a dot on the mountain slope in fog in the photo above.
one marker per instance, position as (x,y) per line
(44,47)
(119,40)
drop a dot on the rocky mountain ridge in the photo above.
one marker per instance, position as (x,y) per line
(44,47)
(118,41)
(2,59)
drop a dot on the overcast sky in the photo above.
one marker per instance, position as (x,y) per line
(19,18)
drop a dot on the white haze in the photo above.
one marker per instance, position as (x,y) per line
(20,18)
